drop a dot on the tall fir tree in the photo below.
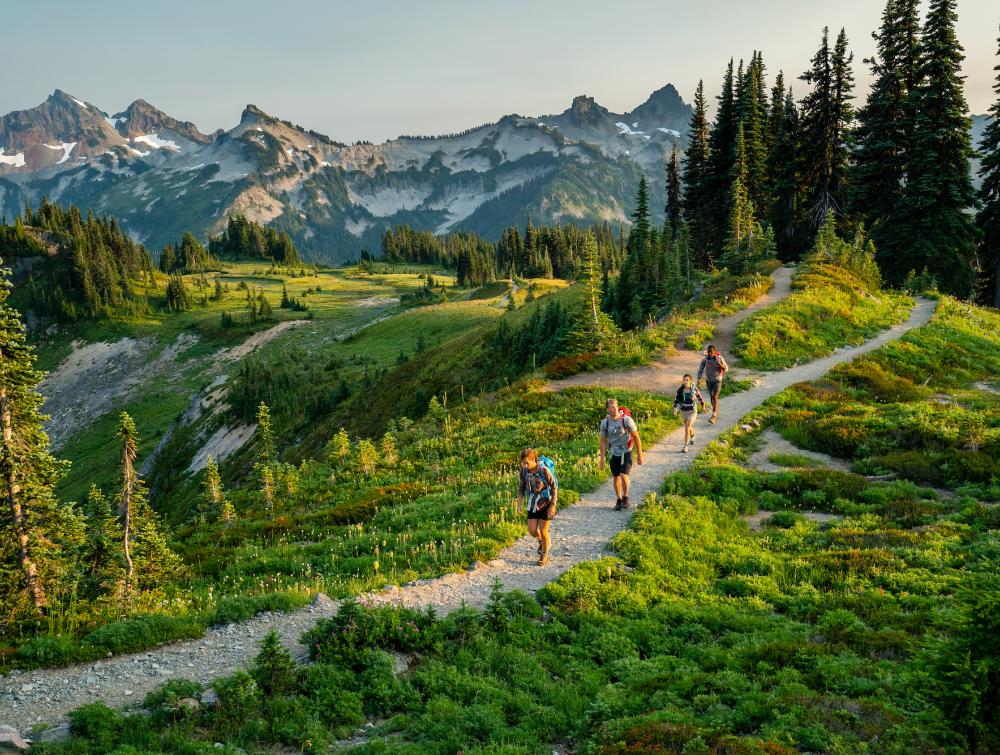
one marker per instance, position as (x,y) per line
(695,196)
(149,562)
(988,218)
(41,533)
(265,436)
(753,120)
(128,492)
(673,208)
(825,126)
(884,124)
(784,212)
(593,330)
(631,291)
(212,493)
(721,150)
(932,227)
(741,217)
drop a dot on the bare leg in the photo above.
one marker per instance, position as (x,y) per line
(625,484)
(533,528)
(546,539)
(618,485)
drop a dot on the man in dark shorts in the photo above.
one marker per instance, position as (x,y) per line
(617,429)
(713,367)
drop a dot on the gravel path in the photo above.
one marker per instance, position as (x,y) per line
(580,533)
(664,376)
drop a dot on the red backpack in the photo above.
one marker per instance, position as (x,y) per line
(627,412)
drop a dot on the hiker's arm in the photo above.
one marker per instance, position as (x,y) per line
(638,446)
(552,484)
(521,487)
(723,364)
(701,370)
(604,449)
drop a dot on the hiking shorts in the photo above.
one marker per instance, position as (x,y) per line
(688,414)
(543,512)
(714,387)
(621,464)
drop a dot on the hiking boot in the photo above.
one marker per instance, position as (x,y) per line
(712,420)
(543,560)
(618,504)
(625,503)
(684,450)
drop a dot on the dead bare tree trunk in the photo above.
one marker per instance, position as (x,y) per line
(12,492)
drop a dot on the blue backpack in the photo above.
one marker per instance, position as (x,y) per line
(545,461)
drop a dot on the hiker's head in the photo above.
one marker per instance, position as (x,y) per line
(529,458)
(687,381)
(710,350)
(612,406)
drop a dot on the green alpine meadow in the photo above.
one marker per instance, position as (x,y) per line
(664,422)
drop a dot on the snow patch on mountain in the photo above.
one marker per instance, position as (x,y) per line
(84,105)
(389,200)
(670,131)
(626,130)
(66,147)
(154,141)
(460,202)
(16,160)
(356,227)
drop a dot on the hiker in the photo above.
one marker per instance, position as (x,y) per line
(713,367)
(618,434)
(540,486)
(686,404)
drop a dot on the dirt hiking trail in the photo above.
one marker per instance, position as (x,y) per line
(664,376)
(579,533)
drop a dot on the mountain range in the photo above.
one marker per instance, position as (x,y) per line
(162,176)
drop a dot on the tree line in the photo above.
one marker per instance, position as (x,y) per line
(898,166)
(245,239)
(537,252)
(93,271)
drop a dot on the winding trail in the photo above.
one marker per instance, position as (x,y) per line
(580,533)
(665,375)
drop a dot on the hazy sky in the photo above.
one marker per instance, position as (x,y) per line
(380,68)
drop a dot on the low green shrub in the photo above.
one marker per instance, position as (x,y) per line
(56,651)
(234,608)
(144,632)
(784,519)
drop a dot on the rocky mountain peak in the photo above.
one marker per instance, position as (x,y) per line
(585,110)
(664,108)
(252,114)
(141,118)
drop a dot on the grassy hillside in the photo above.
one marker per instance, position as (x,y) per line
(921,409)
(830,308)
(429,498)
(874,632)
(177,354)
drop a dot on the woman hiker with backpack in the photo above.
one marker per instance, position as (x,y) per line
(685,402)
(538,482)
(618,434)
